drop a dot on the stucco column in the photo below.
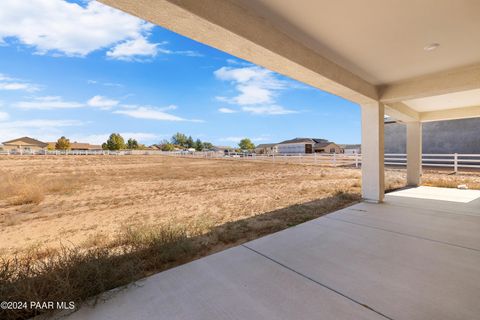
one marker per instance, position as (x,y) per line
(373,176)
(414,153)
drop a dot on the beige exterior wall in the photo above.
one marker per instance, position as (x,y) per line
(331,148)
(22,146)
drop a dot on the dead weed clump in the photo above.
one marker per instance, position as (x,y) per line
(80,273)
(22,189)
(76,274)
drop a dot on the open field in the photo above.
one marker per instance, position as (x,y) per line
(85,200)
(80,225)
(46,201)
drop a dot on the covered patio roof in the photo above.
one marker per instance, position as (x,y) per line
(412,257)
(406,54)
(414,60)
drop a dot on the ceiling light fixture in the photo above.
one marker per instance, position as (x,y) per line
(431,47)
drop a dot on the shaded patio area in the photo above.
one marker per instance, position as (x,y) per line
(412,257)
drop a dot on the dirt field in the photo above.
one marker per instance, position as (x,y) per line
(85,200)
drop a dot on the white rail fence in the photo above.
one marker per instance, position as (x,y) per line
(455,161)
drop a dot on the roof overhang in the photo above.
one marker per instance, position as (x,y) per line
(363,51)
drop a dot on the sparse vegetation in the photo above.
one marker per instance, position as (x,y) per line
(246,144)
(62,144)
(114,142)
(72,273)
(181,141)
(92,223)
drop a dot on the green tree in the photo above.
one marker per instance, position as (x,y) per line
(246,144)
(179,139)
(165,145)
(190,143)
(62,144)
(115,142)
(198,145)
(132,144)
(207,146)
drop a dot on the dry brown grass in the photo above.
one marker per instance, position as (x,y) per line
(86,200)
(88,224)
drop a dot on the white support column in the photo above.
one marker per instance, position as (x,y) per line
(414,153)
(373,176)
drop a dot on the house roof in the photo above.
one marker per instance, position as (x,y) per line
(350,146)
(323,144)
(266,145)
(80,145)
(27,140)
(306,140)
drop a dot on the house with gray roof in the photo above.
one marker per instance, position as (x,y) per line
(308,145)
(267,148)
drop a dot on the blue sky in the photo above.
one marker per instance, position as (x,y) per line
(84,70)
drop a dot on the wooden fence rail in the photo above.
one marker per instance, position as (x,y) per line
(455,161)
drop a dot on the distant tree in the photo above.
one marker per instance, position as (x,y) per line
(198,145)
(165,145)
(190,143)
(132,144)
(115,142)
(104,146)
(207,146)
(179,139)
(62,144)
(168,147)
(246,144)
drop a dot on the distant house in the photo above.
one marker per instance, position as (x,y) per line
(85,146)
(24,144)
(308,145)
(266,148)
(78,146)
(351,148)
(223,149)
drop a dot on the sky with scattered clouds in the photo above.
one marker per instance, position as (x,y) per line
(84,70)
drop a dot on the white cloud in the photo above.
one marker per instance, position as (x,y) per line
(64,28)
(226,110)
(133,49)
(268,110)
(237,139)
(40,123)
(47,103)
(4,116)
(231,139)
(102,102)
(141,137)
(254,84)
(106,84)
(43,129)
(151,113)
(188,53)
(257,89)
(57,102)
(8,83)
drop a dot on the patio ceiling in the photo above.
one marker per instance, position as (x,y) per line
(364,51)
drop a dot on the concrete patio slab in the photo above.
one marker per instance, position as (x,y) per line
(456,229)
(397,260)
(234,284)
(442,194)
(403,277)
(438,199)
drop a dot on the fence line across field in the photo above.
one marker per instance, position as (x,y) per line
(454,161)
